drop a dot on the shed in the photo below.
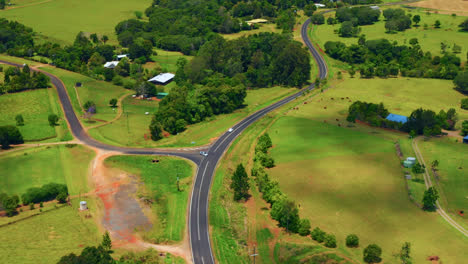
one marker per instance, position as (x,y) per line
(411,159)
(397,118)
(121,56)
(162,78)
(465,139)
(83,206)
(161,95)
(319,5)
(408,164)
(256,21)
(111,64)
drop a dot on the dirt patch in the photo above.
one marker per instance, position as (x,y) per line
(447,7)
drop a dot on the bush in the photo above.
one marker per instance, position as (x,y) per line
(372,254)
(62,197)
(418,168)
(304,227)
(31,206)
(318,235)
(317,19)
(464,103)
(352,240)
(45,193)
(53,119)
(330,241)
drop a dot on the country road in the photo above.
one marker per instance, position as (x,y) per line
(428,182)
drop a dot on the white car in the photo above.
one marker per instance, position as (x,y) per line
(204,153)
(230,130)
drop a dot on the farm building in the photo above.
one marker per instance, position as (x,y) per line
(162,78)
(397,118)
(111,64)
(465,140)
(319,5)
(256,21)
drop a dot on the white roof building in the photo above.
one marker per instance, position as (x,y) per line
(162,78)
(319,5)
(375,7)
(111,64)
(121,56)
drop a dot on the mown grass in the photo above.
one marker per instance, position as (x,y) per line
(62,20)
(45,238)
(99,92)
(452,173)
(35,167)
(430,39)
(167,60)
(137,133)
(160,185)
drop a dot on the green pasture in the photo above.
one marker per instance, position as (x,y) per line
(62,20)
(452,172)
(133,130)
(45,238)
(347,182)
(167,60)
(34,167)
(160,185)
(99,92)
(430,39)
(267,27)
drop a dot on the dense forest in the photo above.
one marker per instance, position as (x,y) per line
(383,58)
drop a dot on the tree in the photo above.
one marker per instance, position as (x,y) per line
(106,242)
(318,235)
(456,49)
(461,81)
(434,164)
(405,253)
(418,168)
(9,203)
(429,200)
(155,129)
(330,241)
(10,135)
(317,19)
(437,24)
(240,183)
(347,30)
(138,14)
(104,38)
(464,103)
(352,72)
(19,120)
(464,25)
(416,19)
(113,102)
(372,254)
(352,240)
(309,9)
(2,4)
(62,197)
(89,255)
(304,227)
(90,107)
(464,130)
(53,119)
(94,38)
(286,213)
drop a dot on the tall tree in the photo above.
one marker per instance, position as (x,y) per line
(10,135)
(240,183)
(106,242)
(287,214)
(416,19)
(430,198)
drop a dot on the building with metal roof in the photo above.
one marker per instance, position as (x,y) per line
(397,118)
(162,78)
(465,139)
(111,64)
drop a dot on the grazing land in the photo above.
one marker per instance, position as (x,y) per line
(132,130)
(168,204)
(451,174)
(447,7)
(90,16)
(167,60)
(429,38)
(99,92)
(23,169)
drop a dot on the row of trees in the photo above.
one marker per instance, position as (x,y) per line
(16,80)
(420,122)
(382,58)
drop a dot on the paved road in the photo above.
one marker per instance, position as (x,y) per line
(198,217)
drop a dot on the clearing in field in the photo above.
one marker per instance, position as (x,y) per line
(62,20)
(459,7)
(429,38)
(165,200)
(132,129)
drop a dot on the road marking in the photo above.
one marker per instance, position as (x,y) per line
(198,204)
(202,260)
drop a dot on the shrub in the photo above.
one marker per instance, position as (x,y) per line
(352,240)
(53,119)
(62,197)
(464,103)
(45,193)
(31,206)
(372,254)
(330,241)
(318,235)
(304,227)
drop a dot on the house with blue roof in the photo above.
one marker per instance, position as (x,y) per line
(465,139)
(397,118)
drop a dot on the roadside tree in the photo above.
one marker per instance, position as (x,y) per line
(53,119)
(240,183)
(429,200)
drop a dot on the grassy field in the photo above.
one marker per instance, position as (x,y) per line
(429,38)
(160,185)
(99,92)
(72,16)
(268,27)
(35,167)
(167,60)
(45,238)
(135,132)
(452,172)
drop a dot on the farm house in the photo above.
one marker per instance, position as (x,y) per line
(397,118)
(162,78)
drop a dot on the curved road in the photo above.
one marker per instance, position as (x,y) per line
(198,217)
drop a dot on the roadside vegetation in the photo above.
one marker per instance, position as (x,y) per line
(167,185)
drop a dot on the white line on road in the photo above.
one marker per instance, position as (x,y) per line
(198,203)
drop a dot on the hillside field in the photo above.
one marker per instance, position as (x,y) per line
(62,20)
(429,38)
(169,205)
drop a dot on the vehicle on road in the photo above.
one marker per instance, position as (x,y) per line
(230,130)
(204,153)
